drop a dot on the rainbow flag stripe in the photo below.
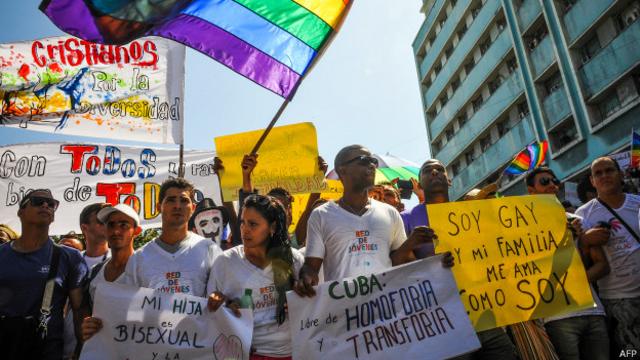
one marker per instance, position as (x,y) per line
(271,42)
(528,159)
(635,150)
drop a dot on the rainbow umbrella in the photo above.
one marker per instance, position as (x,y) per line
(389,168)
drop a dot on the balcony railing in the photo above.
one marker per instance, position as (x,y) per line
(612,61)
(542,56)
(583,15)
(528,12)
(556,107)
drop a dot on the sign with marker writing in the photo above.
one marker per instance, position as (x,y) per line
(71,86)
(140,323)
(515,259)
(288,159)
(333,191)
(83,174)
(411,311)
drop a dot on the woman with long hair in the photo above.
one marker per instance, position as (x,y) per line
(257,274)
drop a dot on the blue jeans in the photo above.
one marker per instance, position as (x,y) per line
(581,337)
(496,345)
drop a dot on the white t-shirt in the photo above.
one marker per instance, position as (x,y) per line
(99,279)
(352,245)
(92,261)
(232,274)
(621,250)
(185,271)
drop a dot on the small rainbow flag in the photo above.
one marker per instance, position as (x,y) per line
(529,158)
(635,149)
(271,42)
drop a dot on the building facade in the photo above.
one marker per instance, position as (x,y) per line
(496,75)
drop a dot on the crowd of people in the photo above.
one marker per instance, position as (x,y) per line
(47,289)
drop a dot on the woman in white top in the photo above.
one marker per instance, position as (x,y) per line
(257,274)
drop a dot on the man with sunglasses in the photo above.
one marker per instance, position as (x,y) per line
(611,221)
(581,334)
(355,235)
(24,269)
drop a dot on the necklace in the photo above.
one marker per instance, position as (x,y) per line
(352,210)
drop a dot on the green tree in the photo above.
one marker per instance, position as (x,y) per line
(145,236)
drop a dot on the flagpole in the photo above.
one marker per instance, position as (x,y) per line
(180,161)
(270,126)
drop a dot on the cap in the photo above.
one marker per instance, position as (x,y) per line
(103,215)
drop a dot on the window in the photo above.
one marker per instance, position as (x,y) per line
(448,51)
(469,66)
(512,65)
(609,105)
(453,3)
(462,119)
(462,30)
(563,135)
(523,110)
(475,12)
(444,100)
(554,83)
(590,49)
(484,46)
(437,68)
(455,168)
(485,142)
(449,133)
(455,84)
(469,157)
(477,103)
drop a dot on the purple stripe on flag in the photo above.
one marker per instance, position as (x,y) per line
(73,17)
(230,51)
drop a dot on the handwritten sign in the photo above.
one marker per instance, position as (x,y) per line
(288,158)
(139,323)
(515,258)
(82,174)
(70,86)
(411,311)
(332,191)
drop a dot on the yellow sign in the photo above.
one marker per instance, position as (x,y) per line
(515,259)
(332,191)
(288,158)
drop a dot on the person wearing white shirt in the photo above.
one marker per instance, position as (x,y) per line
(357,235)
(258,274)
(178,261)
(611,221)
(122,225)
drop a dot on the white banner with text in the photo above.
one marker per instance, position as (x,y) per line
(411,311)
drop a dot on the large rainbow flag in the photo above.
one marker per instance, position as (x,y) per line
(635,149)
(528,159)
(271,42)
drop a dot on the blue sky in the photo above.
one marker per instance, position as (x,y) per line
(363,90)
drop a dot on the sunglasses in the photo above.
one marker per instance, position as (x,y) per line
(37,201)
(547,180)
(363,160)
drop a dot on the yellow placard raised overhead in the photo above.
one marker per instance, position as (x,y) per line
(288,158)
(333,190)
(514,258)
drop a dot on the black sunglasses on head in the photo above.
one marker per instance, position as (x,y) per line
(39,200)
(545,181)
(363,160)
